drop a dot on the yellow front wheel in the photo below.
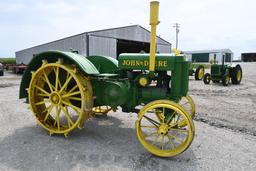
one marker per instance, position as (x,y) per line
(160,131)
(60,97)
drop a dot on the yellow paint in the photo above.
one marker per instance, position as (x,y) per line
(164,135)
(154,11)
(101,110)
(239,75)
(176,51)
(201,73)
(145,63)
(50,99)
(143,81)
(227,79)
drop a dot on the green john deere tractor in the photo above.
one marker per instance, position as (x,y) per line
(223,73)
(65,89)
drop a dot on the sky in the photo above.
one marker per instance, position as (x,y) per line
(204,24)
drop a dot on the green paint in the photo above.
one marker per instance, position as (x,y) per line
(115,83)
(82,63)
(140,61)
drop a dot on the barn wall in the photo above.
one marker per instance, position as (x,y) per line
(102,46)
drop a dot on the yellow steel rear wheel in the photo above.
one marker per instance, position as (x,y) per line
(163,136)
(60,97)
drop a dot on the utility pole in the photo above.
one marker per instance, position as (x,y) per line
(177,26)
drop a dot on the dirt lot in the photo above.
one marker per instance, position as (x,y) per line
(225,134)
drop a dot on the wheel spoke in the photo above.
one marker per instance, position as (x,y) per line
(69,104)
(178,118)
(180,130)
(170,142)
(162,143)
(155,141)
(42,90)
(148,135)
(148,126)
(161,120)
(71,94)
(75,98)
(172,118)
(70,122)
(42,95)
(77,112)
(57,78)
(70,91)
(176,138)
(66,83)
(48,112)
(42,102)
(57,117)
(47,81)
(152,121)
(67,76)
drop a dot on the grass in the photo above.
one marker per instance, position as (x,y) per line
(8,60)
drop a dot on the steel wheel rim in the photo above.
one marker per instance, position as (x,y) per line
(58,98)
(239,75)
(156,147)
(201,73)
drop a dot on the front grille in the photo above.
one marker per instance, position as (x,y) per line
(215,70)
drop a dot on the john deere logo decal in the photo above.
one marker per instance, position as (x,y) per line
(145,63)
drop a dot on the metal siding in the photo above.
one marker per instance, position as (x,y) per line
(135,33)
(163,48)
(76,42)
(102,46)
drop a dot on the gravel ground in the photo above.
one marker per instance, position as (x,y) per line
(232,107)
(225,134)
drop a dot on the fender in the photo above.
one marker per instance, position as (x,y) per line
(84,65)
(104,64)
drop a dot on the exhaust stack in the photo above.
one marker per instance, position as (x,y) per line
(154,11)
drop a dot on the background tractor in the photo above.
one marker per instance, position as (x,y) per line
(195,70)
(223,73)
(65,89)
